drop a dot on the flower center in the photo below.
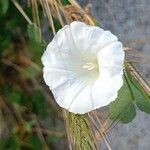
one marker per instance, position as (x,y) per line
(89,66)
(90,70)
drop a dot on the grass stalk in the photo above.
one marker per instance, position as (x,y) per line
(79,132)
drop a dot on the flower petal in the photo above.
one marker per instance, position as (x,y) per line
(69,95)
(61,51)
(105,90)
(56,77)
(110,60)
(83,101)
(91,38)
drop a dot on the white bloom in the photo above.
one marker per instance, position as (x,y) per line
(83,67)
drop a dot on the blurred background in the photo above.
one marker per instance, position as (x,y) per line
(29,117)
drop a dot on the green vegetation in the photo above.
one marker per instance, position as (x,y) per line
(25,106)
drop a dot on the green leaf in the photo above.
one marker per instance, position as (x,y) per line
(129,115)
(36,45)
(143,106)
(34,143)
(4,4)
(39,104)
(33,33)
(14,96)
(141,98)
(122,108)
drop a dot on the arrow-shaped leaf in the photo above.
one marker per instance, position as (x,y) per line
(123,108)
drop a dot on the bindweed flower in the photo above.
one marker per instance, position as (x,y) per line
(83,67)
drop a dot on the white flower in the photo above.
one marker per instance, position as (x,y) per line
(83,67)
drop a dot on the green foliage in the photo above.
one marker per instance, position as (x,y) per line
(36,45)
(130,114)
(29,73)
(33,33)
(57,24)
(4,4)
(10,21)
(34,143)
(142,99)
(14,97)
(53,138)
(123,108)
(65,2)
(4,43)
(28,125)
(38,104)
(22,46)
(9,143)
(130,95)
